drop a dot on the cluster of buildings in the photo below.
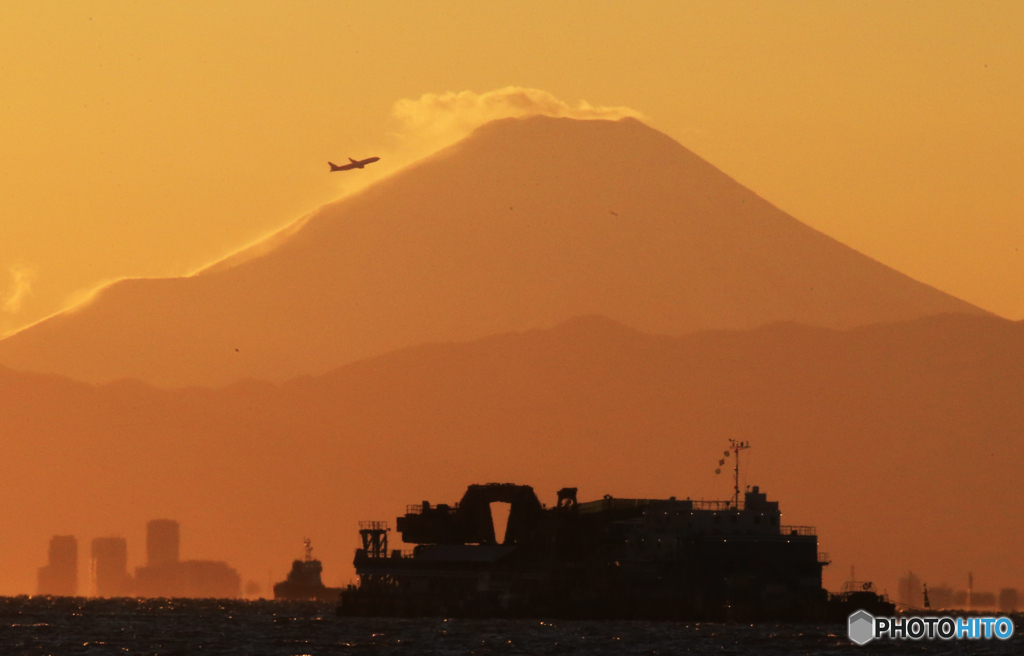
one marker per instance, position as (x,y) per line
(912,593)
(164,575)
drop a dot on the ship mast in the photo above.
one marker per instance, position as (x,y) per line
(309,549)
(737,446)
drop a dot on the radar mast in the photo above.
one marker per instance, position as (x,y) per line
(737,446)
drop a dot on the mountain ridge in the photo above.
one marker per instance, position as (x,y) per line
(523,224)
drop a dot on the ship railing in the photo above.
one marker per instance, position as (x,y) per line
(393,553)
(798,530)
(823,558)
(717,506)
(373,526)
(857,586)
(611,504)
(417,508)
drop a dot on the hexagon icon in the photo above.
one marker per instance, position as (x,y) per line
(862,627)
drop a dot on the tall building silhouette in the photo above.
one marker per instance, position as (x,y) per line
(163,542)
(110,567)
(59,577)
(911,591)
(1008,600)
(165,575)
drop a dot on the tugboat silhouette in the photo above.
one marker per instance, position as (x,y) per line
(303,582)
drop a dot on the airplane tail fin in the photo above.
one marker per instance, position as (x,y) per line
(334,167)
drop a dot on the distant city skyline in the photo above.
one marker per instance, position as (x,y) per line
(163,575)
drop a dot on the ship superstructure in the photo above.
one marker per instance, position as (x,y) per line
(613,557)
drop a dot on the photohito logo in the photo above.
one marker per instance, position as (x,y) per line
(865,627)
(862,627)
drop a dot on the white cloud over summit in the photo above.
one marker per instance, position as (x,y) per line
(446,117)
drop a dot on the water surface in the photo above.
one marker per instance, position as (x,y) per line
(181,627)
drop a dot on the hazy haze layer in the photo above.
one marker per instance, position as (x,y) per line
(900,442)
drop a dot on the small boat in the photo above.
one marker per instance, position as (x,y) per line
(859,595)
(303,582)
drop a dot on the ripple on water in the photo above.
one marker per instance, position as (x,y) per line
(180,627)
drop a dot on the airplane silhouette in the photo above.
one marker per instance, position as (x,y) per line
(353,164)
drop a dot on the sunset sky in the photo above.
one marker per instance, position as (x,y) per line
(155,138)
(152,138)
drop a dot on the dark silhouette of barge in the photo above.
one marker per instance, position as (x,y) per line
(609,558)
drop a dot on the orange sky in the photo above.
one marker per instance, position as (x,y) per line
(148,139)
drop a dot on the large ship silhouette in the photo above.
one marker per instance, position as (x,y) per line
(613,557)
(610,558)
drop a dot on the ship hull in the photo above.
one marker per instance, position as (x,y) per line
(303,592)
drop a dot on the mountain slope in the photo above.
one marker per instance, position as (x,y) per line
(524,224)
(900,442)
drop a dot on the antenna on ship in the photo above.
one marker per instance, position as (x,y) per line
(309,548)
(737,446)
